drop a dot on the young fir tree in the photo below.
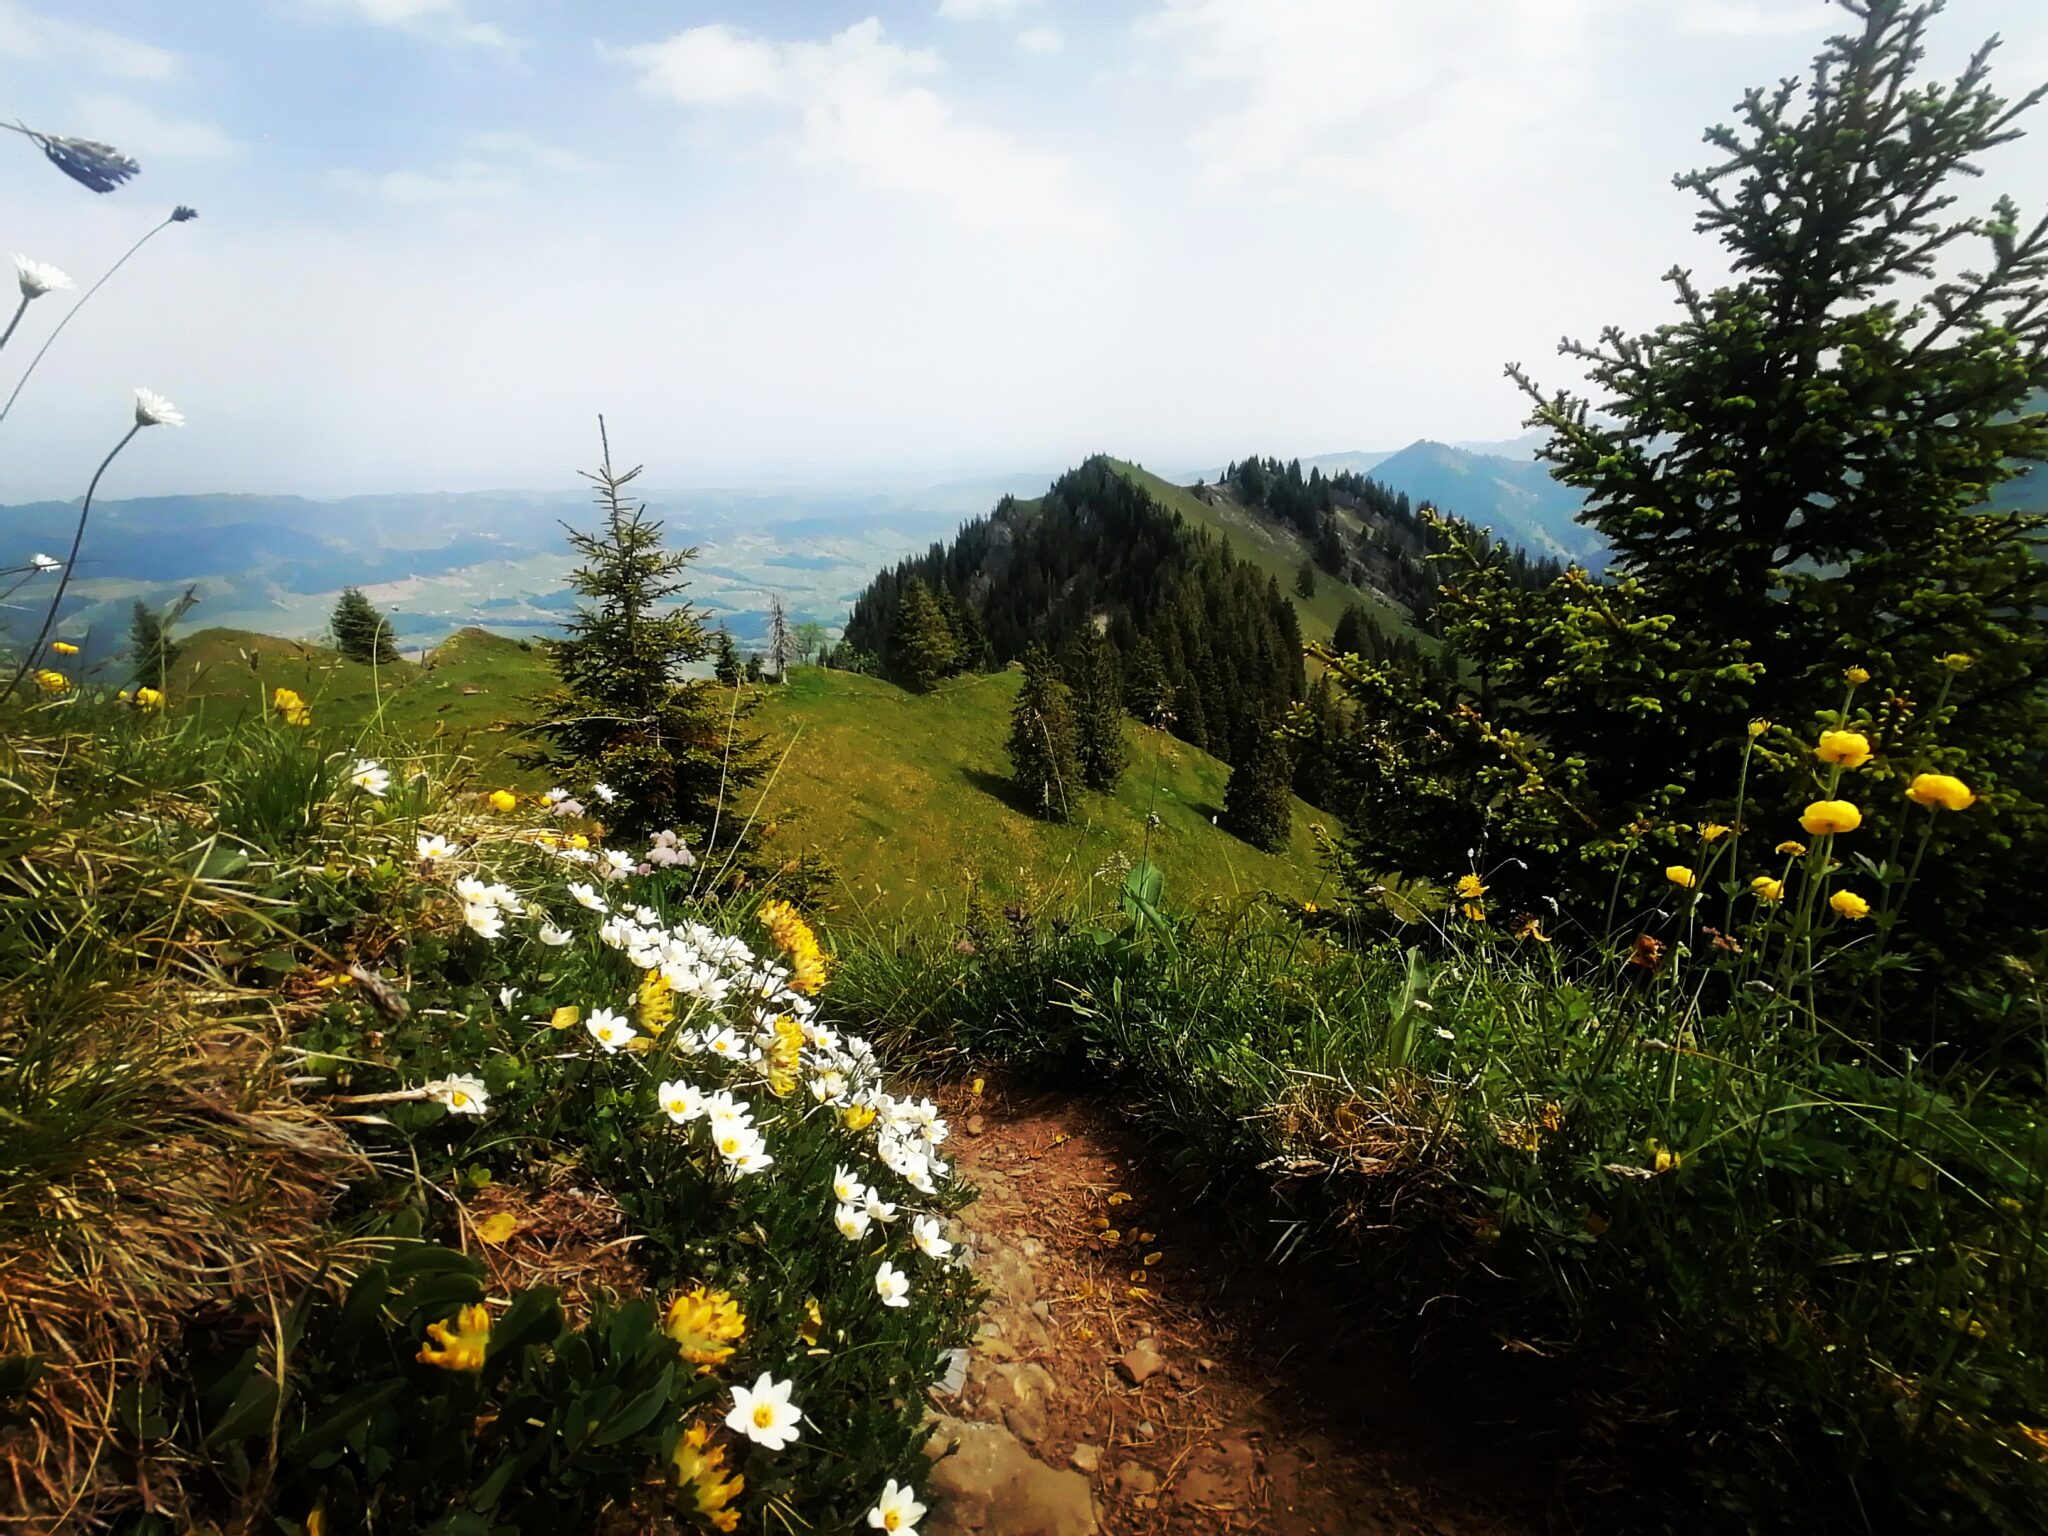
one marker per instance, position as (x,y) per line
(151,650)
(923,646)
(622,713)
(781,653)
(1305,580)
(1148,692)
(1792,476)
(1044,741)
(755,669)
(725,660)
(1097,685)
(1255,803)
(360,632)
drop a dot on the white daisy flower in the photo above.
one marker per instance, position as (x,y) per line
(892,1285)
(897,1511)
(931,1242)
(370,777)
(586,896)
(459,1095)
(153,410)
(604,792)
(764,1413)
(616,864)
(554,796)
(38,277)
(680,1101)
(554,937)
(609,1030)
(436,849)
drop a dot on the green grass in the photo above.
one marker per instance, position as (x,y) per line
(905,794)
(909,795)
(1275,550)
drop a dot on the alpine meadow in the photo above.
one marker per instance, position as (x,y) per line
(874,963)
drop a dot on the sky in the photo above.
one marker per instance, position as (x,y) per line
(787,241)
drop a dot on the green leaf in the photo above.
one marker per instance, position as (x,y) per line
(639,1413)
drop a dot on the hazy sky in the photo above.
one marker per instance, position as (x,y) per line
(807,240)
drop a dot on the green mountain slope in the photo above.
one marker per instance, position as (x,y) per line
(1516,498)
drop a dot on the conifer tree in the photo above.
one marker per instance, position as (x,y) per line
(725,664)
(1044,740)
(622,712)
(923,646)
(360,632)
(1305,580)
(1255,803)
(1147,693)
(1097,685)
(781,642)
(151,650)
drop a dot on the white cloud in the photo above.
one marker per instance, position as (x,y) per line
(525,146)
(1334,94)
(466,181)
(442,21)
(143,132)
(1040,40)
(26,35)
(1756,18)
(975,10)
(857,100)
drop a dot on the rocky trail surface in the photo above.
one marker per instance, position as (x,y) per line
(1134,1375)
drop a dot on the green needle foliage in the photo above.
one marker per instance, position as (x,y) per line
(151,650)
(1097,684)
(361,633)
(1045,751)
(922,646)
(1255,804)
(624,714)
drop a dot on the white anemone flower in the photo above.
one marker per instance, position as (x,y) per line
(852,1221)
(846,1188)
(507,996)
(882,1210)
(38,277)
(616,864)
(436,849)
(726,1044)
(897,1511)
(609,1030)
(931,1242)
(892,1285)
(459,1095)
(680,1101)
(370,777)
(764,1413)
(586,896)
(153,410)
(750,1160)
(554,937)
(473,891)
(604,792)
(484,920)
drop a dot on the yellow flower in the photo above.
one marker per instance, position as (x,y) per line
(1855,677)
(784,1055)
(1471,887)
(1475,912)
(704,1325)
(1850,905)
(1713,832)
(1757,728)
(1792,846)
(1844,749)
(497,1228)
(813,1325)
(149,700)
(1768,891)
(1663,1157)
(1681,876)
(1827,816)
(461,1340)
(1957,661)
(565,1017)
(857,1117)
(657,1002)
(701,1472)
(1940,789)
(502,800)
(53,682)
(287,702)
(793,935)
(63,647)
(579,841)
(1532,928)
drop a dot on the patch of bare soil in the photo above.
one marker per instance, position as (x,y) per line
(1194,1389)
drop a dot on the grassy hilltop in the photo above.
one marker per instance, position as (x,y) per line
(906,794)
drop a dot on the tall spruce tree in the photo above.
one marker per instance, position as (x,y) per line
(1255,803)
(1793,478)
(1305,579)
(781,653)
(1148,694)
(923,646)
(152,653)
(725,659)
(361,633)
(1044,745)
(622,712)
(1097,684)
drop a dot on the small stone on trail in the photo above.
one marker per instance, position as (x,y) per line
(1133,1478)
(974,1125)
(987,1482)
(1140,1363)
(1145,1429)
(1086,1458)
(1042,1310)
(1205,1364)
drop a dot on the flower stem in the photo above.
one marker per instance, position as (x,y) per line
(83,299)
(20,310)
(28,658)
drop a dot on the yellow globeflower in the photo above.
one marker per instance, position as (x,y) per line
(857,1117)
(1681,876)
(1855,677)
(503,800)
(63,647)
(1757,728)
(148,700)
(1792,846)
(1940,789)
(459,1343)
(52,682)
(1713,832)
(1850,905)
(1768,890)
(704,1325)
(1475,911)
(1471,887)
(1826,816)
(1957,661)
(1844,749)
